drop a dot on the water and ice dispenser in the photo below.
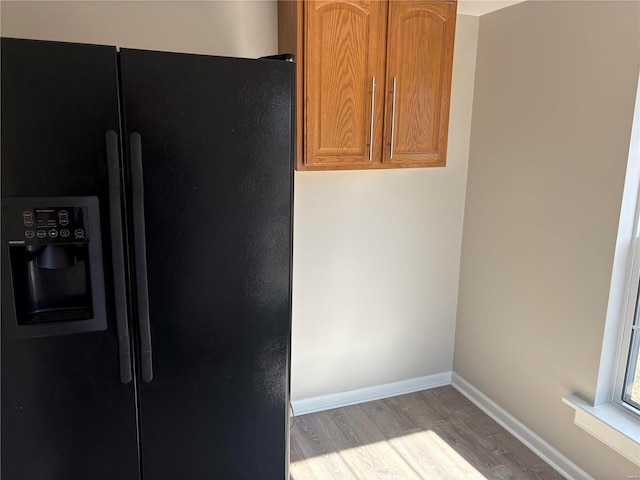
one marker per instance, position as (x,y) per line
(55,259)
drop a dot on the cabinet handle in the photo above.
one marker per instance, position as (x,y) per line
(393,116)
(373,106)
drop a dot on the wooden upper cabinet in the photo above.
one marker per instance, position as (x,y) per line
(419,63)
(344,67)
(349,56)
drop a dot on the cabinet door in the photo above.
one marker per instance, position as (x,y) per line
(344,57)
(419,62)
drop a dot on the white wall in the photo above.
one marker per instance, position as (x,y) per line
(553,105)
(231,28)
(376,261)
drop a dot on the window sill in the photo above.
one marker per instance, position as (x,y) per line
(609,423)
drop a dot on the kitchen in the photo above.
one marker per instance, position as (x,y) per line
(379,282)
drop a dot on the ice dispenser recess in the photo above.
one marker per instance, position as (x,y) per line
(55,266)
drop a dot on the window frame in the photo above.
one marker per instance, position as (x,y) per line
(628,346)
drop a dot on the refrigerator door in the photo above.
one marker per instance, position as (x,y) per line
(65,412)
(215,139)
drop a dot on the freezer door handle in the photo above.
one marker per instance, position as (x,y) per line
(117,254)
(144,328)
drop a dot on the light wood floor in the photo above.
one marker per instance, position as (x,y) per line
(434,434)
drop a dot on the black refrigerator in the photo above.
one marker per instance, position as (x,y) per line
(146,264)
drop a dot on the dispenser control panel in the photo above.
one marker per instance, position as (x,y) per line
(46,225)
(55,274)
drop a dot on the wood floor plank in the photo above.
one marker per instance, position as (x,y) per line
(388,417)
(425,452)
(522,460)
(320,461)
(394,423)
(436,434)
(423,409)
(368,452)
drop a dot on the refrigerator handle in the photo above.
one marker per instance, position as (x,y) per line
(117,251)
(144,329)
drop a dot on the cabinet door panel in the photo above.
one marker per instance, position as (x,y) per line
(419,58)
(344,49)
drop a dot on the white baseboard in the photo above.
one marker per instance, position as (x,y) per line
(343,399)
(540,447)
